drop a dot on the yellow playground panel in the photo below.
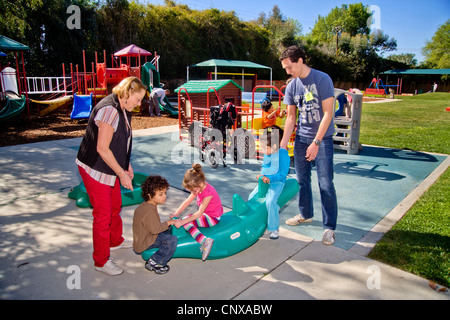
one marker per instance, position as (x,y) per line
(52,105)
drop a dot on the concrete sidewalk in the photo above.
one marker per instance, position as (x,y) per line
(46,248)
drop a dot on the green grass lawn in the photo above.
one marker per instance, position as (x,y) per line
(418,122)
(420,242)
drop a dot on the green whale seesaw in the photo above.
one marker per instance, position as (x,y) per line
(237,229)
(129,198)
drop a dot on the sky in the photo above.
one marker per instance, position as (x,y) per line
(410,22)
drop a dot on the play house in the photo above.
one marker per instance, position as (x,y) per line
(196,96)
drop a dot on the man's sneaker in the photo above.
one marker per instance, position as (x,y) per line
(157,268)
(328,237)
(124,245)
(274,235)
(110,268)
(295,221)
(206,248)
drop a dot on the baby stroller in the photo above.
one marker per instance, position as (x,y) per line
(212,141)
(216,141)
(214,146)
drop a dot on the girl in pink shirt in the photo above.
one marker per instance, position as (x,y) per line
(209,211)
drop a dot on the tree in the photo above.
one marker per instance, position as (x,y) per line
(381,42)
(351,19)
(437,51)
(344,47)
(283,32)
(117,24)
(51,41)
(13,17)
(407,58)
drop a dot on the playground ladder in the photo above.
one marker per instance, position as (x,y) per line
(43,85)
(347,128)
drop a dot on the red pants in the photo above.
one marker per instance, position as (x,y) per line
(107,226)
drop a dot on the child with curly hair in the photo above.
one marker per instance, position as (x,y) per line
(209,211)
(148,230)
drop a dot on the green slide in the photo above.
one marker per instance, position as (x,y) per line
(150,77)
(13,108)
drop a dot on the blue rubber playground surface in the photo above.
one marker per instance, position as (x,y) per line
(368,185)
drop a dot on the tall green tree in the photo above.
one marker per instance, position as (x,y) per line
(406,58)
(13,17)
(183,36)
(42,25)
(437,50)
(118,24)
(283,31)
(351,19)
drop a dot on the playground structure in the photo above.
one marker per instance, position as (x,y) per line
(13,107)
(82,107)
(347,126)
(80,86)
(196,102)
(13,93)
(84,88)
(151,78)
(378,88)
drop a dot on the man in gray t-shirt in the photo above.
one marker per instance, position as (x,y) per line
(312,94)
(307,94)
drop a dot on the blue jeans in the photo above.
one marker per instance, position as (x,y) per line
(324,165)
(273,209)
(167,244)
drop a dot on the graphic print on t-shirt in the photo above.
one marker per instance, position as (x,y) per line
(308,106)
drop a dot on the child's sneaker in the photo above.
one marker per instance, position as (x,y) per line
(274,235)
(153,266)
(206,248)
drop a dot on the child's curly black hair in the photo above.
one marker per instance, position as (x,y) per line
(151,185)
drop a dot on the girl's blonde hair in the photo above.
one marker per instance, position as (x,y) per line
(122,90)
(193,177)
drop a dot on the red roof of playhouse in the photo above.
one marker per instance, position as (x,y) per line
(132,51)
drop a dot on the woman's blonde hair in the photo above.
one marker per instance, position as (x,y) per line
(122,90)
(193,177)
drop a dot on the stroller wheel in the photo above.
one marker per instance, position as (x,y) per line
(213,158)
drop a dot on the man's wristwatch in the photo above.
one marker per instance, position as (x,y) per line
(317,142)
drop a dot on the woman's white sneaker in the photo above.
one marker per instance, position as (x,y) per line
(126,244)
(295,221)
(110,269)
